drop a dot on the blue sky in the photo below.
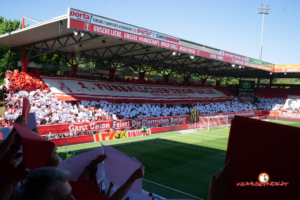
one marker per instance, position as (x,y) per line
(231,25)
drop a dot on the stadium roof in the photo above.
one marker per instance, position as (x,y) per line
(128,46)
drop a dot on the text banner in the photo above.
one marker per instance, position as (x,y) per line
(68,89)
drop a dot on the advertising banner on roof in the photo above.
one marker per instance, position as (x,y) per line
(287,68)
(68,88)
(96,24)
(251,60)
(116,25)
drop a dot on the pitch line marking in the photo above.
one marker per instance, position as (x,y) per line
(195,134)
(191,147)
(172,189)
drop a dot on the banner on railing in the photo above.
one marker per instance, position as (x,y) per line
(124,134)
(105,125)
(194,117)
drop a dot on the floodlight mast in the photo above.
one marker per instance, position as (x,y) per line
(262,10)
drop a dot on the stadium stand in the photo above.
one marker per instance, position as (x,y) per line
(267,92)
(49,110)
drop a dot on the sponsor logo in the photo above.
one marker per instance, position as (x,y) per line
(246,85)
(119,135)
(138,133)
(144,32)
(113,136)
(80,15)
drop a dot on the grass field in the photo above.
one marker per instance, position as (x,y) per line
(177,165)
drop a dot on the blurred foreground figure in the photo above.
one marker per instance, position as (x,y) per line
(47,183)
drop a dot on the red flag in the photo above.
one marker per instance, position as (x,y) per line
(256,146)
(35,147)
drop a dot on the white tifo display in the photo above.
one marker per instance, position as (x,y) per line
(206,123)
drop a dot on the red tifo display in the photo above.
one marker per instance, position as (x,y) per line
(80,89)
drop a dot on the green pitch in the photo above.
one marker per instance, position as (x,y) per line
(177,165)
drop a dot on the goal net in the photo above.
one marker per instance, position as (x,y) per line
(213,122)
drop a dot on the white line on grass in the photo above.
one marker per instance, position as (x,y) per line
(190,147)
(118,140)
(195,134)
(133,142)
(172,189)
(79,144)
(118,144)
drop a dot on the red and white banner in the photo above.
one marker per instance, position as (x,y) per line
(243,113)
(90,19)
(287,68)
(104,125)
(96,24)
(285,114)
(67,89)
(138,133)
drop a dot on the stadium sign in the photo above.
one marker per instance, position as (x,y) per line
(104,25)
(246,91)
(246,86)
(287,68)
(88,22)
(251,60)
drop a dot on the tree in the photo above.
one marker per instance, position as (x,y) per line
(5,27)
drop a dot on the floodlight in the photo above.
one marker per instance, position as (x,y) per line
(240,66)
(270,73)
(75,33)
(174,53)
(192,56)
(178,53)
(284,73)
(264,10)
(81,34)
(233,65)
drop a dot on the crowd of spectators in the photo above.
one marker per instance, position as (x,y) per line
(49,110)
(271,93)
(51,136)
(237,105)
